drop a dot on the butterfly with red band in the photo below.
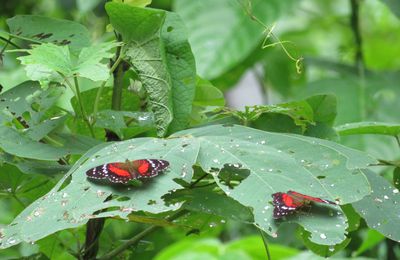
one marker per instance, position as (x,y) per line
(287,203)
(123,172)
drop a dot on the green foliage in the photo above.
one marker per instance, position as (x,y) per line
(149,79)
(49,61)
(221,45)
(282,162)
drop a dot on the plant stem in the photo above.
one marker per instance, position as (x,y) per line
(265,244)
(139,236)
(117,89)
(359,57)
(8,41)
(100,90)
(83,111)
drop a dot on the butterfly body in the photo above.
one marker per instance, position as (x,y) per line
(123,172)
(287,203)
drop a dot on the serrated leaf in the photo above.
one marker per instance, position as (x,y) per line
(47,61)
(219,45)
(277,162)
(381,208)
(46,29)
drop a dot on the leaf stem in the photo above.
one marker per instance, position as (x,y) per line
(100,90)
(82,108)
(265,244)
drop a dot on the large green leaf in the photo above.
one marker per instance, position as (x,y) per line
(158,50)
(46,29)
(276,162)
(381,208)
(280,162)
(222,34)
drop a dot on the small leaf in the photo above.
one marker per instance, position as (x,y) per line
(368,128)
(137,3)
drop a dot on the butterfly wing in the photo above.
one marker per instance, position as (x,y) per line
(300,196)
(148,168)
(284,204)
(115,172)
(122,172)
(98,173)
(119,172)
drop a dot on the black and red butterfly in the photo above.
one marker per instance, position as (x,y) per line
(287,203)
(122,172)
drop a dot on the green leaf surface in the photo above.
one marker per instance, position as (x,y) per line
(204,200)
(207,94)
(381,208)
(181,68)
(222,34)
(117,121)
(17,144)
(360,128)
(277,162)
(323,250)
(50,30)
(158,50)
(47,61)
(29,102)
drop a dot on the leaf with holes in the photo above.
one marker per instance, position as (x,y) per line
(266,163)
(45,29)
(381,208)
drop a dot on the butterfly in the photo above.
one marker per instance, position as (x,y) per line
(287,203)
(122,172)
